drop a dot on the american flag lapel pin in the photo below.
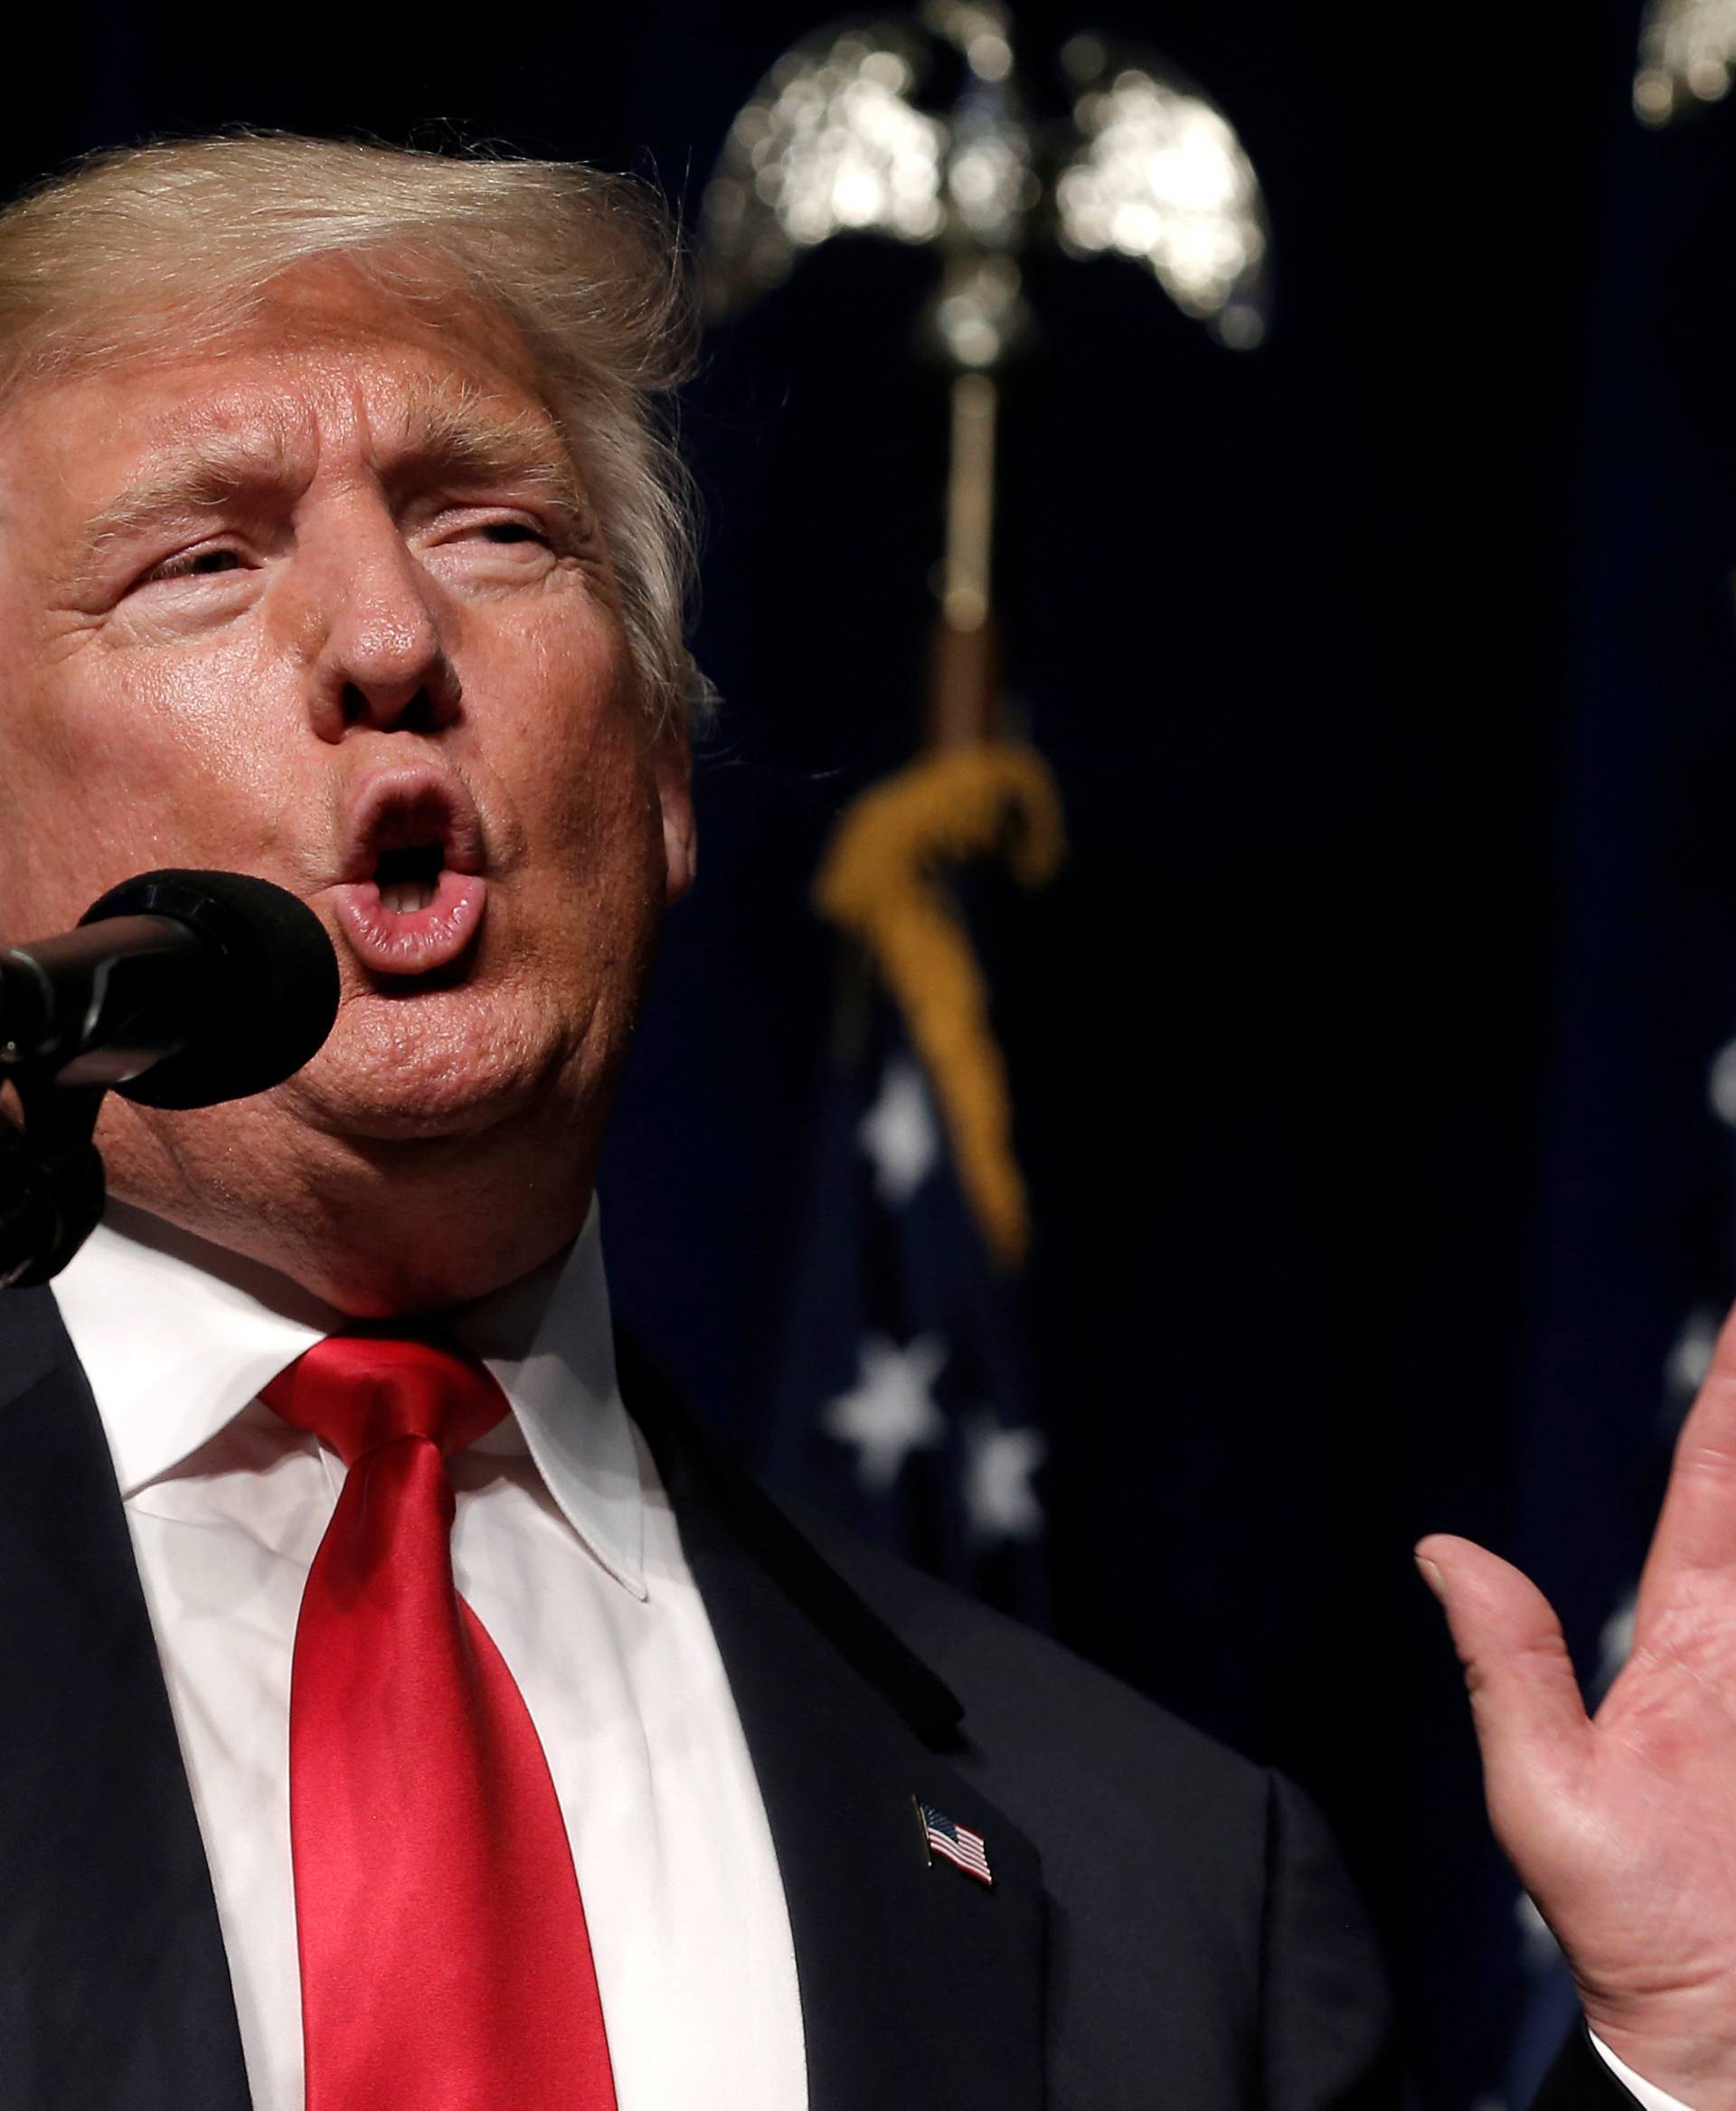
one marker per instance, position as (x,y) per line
(953,1843)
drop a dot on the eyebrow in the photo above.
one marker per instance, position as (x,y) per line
(462,438)
(440,437)
(205,474)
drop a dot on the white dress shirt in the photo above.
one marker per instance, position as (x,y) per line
(566,1549)
(1650,2096)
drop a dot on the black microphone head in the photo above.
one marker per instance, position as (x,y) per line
(278,984)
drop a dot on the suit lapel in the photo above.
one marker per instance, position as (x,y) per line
(114,1987)
(921,1986)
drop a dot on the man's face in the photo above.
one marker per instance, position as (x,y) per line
(327,604)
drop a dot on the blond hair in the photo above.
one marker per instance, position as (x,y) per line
(187,237)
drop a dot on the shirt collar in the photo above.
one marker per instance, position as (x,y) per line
(177,1337)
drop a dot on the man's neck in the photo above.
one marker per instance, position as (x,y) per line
(503,1313)
(279,1292)
(373,1228)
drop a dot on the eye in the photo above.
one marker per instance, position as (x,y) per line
(489,544)
(195,564)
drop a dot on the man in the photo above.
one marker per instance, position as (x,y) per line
(338,545)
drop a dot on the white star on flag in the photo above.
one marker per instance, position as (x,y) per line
(999,1500)
(889,1413)
(898,1133)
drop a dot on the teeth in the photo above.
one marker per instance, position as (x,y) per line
(403,897)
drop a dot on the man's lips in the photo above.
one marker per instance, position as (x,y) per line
(412,830)
(411,941)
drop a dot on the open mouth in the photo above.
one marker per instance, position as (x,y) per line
(409,878)
(413,895)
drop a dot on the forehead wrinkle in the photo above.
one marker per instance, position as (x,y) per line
(431,425)
(206,457)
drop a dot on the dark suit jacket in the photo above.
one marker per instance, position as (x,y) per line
(1167,1924)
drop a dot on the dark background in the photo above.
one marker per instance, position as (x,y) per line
(1360,1053)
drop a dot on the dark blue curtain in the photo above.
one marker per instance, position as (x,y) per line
(1633,1267)
(1360,1052)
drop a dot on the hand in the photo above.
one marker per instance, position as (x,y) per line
(1623,1828)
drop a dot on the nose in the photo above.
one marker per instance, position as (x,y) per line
(373,620)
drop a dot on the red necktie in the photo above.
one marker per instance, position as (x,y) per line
(445,1964)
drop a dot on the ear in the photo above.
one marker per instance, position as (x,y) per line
(672,765)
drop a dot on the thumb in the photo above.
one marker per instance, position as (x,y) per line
(1531,1723)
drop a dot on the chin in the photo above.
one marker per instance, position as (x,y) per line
(445,1067)
(407,1109)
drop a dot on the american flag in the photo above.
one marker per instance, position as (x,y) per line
(904,1401)
(957,1842)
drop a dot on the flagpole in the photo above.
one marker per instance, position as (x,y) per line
(965,686)
(845,138)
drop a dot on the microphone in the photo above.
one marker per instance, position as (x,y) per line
(177,989)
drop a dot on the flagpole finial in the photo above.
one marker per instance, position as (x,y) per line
(1687,55)
(917,129)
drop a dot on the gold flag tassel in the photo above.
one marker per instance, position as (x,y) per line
(973,793)
(884,883)
(983,190)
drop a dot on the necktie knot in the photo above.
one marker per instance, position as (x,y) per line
(358,1392)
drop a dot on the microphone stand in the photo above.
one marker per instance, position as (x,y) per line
(228,981)
(52,1185)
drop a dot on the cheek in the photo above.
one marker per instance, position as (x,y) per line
(113,768)
(171,719)
(602,848)
(593,899)
(577,756)
(605,793)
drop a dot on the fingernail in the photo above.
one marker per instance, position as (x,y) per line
(1432,1576)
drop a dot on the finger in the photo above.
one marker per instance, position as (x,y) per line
(1531,1723)
(1697,1528)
